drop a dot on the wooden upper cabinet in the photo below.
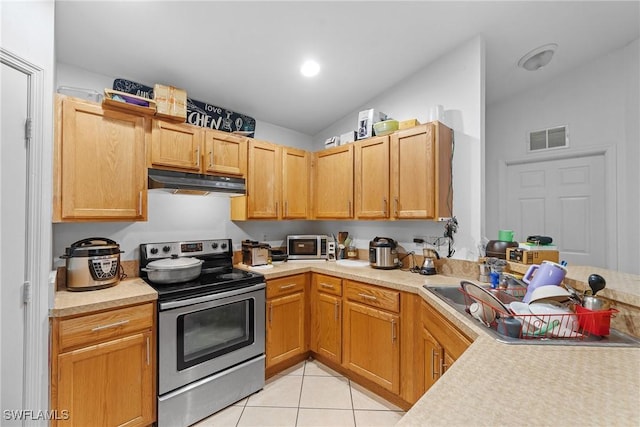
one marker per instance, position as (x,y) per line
(421,172)
(295,183)
(99,159)
(176,146)
(225,153)
(264,180)
(371,172)
(333,182)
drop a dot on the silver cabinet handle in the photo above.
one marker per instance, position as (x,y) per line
(327,286)
(211,158)
(270,312)
(285,208)
(369,297)
(337,310)
(139,203)
(384,206)
(393,330)
(283,287)
(349,204)
(433,359)
(198,156)
(396,205)
(110,325)
(276,208)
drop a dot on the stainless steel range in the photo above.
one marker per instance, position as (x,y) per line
(211,332)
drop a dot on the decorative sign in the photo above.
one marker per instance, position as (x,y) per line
(198,113)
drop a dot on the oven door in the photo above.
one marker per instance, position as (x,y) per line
(204,335)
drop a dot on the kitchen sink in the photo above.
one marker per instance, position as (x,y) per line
(455,298)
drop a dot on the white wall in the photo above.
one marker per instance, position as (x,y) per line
(455,81)
(599,103)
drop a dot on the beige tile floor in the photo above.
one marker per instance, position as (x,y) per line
(308,394)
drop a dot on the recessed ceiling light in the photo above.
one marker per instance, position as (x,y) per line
(538,57)
(310,68)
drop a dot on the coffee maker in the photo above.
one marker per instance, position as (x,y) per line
(428,265)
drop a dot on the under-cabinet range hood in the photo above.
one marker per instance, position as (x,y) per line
(193,183)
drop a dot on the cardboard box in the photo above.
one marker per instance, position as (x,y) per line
(366,119)
(525,256)
(171,102)
(347,137)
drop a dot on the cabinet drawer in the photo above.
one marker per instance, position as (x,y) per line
(373,296)
(98,327)
(285,285)
(328,284)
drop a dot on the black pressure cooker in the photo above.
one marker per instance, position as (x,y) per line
(383,253)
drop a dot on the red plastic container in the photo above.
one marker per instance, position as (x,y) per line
(594,322)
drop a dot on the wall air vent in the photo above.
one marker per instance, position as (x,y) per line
(548,139)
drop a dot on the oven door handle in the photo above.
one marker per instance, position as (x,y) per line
(211,297)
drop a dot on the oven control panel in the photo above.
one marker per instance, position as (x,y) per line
(193,248)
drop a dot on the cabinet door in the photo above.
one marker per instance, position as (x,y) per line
(263,183)
(327,327)
(100,165)
(117,375)
(372,178)
(285,328)
(225,153)
(371,347)
(295,183)
(413,170)
(430,361)
(334,183)
(176,146)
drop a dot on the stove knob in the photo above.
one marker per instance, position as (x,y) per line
(223,246)
(166,249)
(214,245)
(154,251)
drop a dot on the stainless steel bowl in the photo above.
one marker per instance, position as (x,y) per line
(173,270)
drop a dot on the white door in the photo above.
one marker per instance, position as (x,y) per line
(563,199)
(13,218)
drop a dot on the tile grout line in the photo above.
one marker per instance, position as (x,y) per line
(353,407)
(304,370)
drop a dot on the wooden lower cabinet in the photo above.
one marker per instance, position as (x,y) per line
(371,337)
(326,328)
(286,314)
(103,368)
(439,345)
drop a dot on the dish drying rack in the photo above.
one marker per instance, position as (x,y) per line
(581,323)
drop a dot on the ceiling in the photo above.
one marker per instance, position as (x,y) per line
(245,56)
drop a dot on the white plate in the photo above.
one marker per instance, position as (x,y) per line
(531,325)
(566,321)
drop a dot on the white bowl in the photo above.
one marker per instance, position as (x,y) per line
(550,293)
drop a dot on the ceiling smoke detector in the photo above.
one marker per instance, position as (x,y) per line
(538,57)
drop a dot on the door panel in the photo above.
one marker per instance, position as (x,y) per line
(13,232)
(563,199)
